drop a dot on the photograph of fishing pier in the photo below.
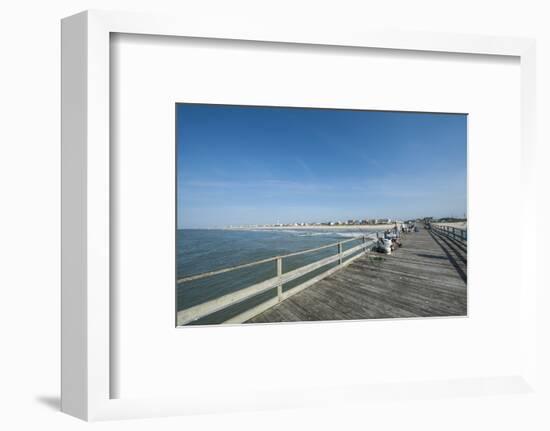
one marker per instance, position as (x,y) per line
(307,214)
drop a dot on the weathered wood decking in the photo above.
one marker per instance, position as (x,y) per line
(425,277)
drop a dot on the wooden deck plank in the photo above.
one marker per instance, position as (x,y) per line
(411,287)
(421,305)
(410,269)
(355,302)
(389,273)
(425,277)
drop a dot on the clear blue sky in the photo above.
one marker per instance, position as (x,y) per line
(248,165)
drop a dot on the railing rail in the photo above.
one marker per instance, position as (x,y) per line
(259,262)
(209,307)
(455,233)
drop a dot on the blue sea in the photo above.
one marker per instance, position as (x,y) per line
(204,250)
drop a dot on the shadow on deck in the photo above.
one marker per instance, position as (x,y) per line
(426,277)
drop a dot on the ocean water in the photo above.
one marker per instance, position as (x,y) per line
(204,250)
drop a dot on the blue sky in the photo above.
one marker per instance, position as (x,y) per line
(256,165)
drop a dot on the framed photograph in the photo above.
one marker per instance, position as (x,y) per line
(269,204)
(269,218)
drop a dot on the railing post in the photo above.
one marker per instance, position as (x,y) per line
(279,273)
(340,253)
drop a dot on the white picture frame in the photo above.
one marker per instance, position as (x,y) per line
(86,313)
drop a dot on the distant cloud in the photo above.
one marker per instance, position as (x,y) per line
(266,184)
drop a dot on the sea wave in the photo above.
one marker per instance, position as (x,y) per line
(345,234)
(331,233)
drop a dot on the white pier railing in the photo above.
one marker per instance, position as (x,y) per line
(209,307)
(451,231)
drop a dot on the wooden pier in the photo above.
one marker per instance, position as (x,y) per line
(425,277)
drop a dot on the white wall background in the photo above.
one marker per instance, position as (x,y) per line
(29,211)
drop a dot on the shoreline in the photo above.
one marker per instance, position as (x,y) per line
(366,227)
(339,227)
